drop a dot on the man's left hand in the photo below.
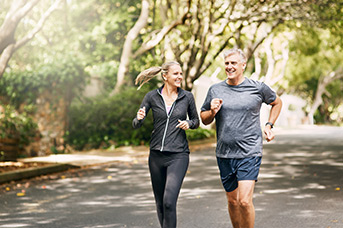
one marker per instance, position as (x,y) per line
(269,133)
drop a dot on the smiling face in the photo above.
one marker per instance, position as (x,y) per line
(174,76)
(234,68)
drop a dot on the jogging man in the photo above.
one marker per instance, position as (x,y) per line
(235,105)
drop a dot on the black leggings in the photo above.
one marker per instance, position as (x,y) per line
(167,171)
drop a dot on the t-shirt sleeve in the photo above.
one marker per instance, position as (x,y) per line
(207,103)
(268,94)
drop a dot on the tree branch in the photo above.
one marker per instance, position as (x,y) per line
(39,25)
(127,49)
(5,57)
(12,19)
(160,36)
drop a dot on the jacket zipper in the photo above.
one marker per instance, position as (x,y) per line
(165,130)
(168,117)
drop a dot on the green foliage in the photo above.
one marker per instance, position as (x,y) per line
(316,53)
(105,121)
(62,76)
(308,41)
(16,125)
(200,133)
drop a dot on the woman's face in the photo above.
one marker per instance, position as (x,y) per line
(174,76)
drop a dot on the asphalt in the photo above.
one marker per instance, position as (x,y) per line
(76,160)
(300,186)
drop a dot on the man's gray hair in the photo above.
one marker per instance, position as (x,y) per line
(234,51)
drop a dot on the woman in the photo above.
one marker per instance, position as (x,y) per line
(169,152)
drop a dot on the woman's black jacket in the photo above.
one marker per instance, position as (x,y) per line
(165,136)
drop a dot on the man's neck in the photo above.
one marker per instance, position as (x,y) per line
(236,81)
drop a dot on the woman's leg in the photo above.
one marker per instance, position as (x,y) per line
(158,180)
(176,172)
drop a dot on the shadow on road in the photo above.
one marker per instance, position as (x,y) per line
(300,186)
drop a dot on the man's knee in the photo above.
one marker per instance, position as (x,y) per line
(233,201)
(245,203)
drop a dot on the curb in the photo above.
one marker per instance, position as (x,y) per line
(33,172)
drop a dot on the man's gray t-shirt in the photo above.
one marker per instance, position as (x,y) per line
(239,133)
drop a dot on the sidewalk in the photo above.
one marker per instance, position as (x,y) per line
(63,162)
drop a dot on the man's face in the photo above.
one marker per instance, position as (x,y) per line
(234,67)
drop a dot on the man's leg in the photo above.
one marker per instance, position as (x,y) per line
(241,208)
(245,196)
(233,206)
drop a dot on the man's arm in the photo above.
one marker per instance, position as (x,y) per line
(208,116)
(273,115)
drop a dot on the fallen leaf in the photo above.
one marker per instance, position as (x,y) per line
(21,194)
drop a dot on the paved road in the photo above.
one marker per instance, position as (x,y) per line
(300,186)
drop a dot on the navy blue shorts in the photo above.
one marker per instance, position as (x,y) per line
(233,170)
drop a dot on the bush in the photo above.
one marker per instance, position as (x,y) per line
(17,125)
(105,121)
(200,133)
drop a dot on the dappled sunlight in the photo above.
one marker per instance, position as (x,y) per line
(301,181)
(94,203)
(13,225)
(304,196)
(198,192)
(314,186)
(278,191)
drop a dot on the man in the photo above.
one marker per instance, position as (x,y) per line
(235,104)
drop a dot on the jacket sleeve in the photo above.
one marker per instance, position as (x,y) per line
(192,113)
(145,103)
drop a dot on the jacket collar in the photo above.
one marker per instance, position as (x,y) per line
(180,92)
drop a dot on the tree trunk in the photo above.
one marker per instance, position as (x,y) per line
(8,44)
(127,49)
(18,11)
(321,89)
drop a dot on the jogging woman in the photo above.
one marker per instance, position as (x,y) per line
(169,152)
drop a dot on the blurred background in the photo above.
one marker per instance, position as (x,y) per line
(67,67)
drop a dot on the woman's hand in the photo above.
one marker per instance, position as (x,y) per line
(141,113)
(183,125)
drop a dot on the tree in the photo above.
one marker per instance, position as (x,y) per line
(147,45)
(127,49)
(207,27)
(216,25)
(321,89)
(17,11)
(315,64)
